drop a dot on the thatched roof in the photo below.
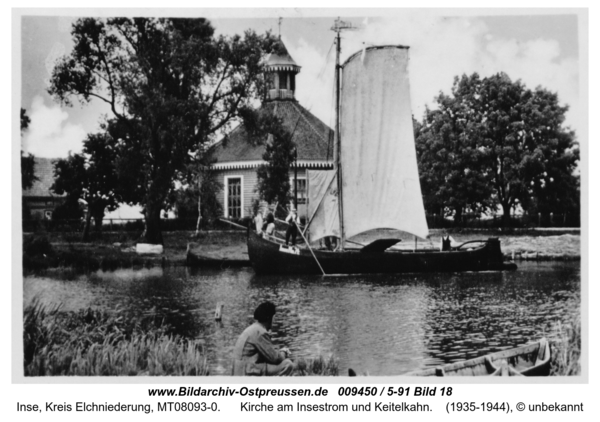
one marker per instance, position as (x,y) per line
(44,171)
(313,138)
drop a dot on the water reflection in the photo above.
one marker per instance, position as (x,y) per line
(382,325)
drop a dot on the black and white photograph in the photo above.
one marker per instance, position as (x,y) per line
(302,193)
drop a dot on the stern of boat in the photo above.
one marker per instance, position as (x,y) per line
(496,257)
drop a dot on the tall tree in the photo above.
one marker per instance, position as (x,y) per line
(495,142)
(451,168)
(90,177)
(171,84)
(531,155)
(28,176)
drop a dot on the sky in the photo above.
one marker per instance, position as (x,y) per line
(541,47)
(538,48)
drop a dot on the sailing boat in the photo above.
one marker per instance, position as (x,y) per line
(374,184)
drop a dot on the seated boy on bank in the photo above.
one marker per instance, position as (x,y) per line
(254,353)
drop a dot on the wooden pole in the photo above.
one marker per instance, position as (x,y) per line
(296,178)
(338,26)
(233,224)
(310,249)
(219,311)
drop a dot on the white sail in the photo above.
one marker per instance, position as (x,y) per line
(380,179)
(323,214)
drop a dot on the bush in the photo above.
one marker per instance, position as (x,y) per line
(37,246)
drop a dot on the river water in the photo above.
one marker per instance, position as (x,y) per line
(380,325)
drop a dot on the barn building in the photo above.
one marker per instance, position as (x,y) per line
(237,160)
(39,200)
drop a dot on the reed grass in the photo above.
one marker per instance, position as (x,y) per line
(566,349)
(95,343)
(319,366)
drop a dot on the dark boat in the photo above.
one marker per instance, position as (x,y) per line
(272,257)
(531,360)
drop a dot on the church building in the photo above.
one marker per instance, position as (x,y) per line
(237,160)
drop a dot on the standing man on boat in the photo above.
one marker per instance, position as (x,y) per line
(254,353)
(258,221)
(447,242)
(293,222)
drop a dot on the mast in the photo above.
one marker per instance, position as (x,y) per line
(296,178)
(338,27)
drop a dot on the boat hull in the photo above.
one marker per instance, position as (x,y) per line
(530,360)
(267,257)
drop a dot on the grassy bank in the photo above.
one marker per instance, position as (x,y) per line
(94,343)
(117,249)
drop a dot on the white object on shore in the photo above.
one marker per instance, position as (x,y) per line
(149,248)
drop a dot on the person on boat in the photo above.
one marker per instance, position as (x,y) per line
(269,225)
(330,242)
(254,353)
(293,222)
(258,221)
(447,242)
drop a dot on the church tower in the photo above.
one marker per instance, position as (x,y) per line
(281,71)
(237,159)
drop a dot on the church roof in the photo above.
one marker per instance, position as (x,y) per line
(280,59)
(44,171)
(313,139)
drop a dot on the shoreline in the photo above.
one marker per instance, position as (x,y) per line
(224,248)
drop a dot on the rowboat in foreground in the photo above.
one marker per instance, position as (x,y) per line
(530,360)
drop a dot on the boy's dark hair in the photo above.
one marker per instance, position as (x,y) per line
(264,312)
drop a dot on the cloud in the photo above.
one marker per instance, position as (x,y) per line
(315,80)
(50,134)
(537,63)
(440,49)
(58,50)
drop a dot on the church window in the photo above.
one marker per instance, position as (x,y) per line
(233,196)
(282,80)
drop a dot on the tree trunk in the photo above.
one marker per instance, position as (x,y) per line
(506,214)
(458,216)
(152,233)
(86,229)
(97,211)
(199,216)
(98,217)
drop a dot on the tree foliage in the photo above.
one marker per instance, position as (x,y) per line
(172,86)
(273,183)
(28,176)
(451,164)
(90,177)
(494,142)
(197,197)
